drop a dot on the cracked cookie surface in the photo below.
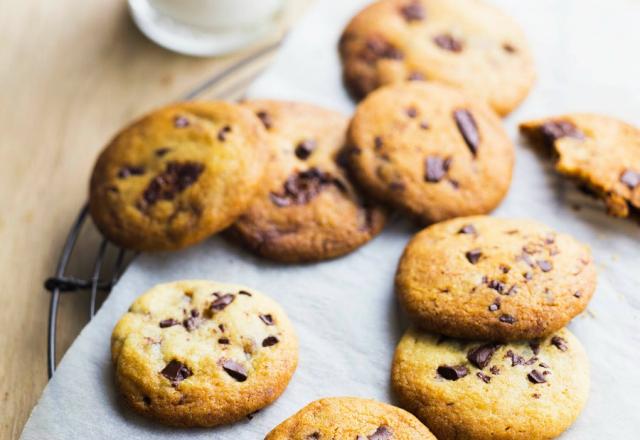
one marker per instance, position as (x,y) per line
(467,44)
(598,151)
(528,390)
(307,210)
(495,279)
(350,418)
(431,151)
(200,353)
(177,175)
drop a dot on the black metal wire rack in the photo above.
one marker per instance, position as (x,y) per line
(228,84)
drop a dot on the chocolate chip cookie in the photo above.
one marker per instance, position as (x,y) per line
(431,151)
(529,390)
(467,44)
(200,353)
(598,151)
(308,209)
(177,175)
(350,418)
(495,279)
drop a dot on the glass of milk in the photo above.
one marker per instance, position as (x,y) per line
(206,27)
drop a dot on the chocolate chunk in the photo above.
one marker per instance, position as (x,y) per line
(508,47)
(495,305)
(222,302)
(448,42)
(559,343)
(473,256)
(543,365)
(578,293)
(195,313)
(504,269)
(244,292)
(413,11)
(267,319)
(377,47)
(481,356)
(180,122)
(146,400)
(377,142)
(496,285)
(483,377)
(269,341)
(554,130)
(545,265)
(161,151)
(495,370)
(515,358)
(507,319)
(190,324)
(221,327)
(412,112)
(265,118)
(177,177)
(222,134)
(531,361)
(468,129)
(304,186)
(313,436)
(125,172)
(234,369)
(224,341)
(535,395)
(436,168)
(382,433)
(630,178)
(452,372)
(528,276)
(305,148)
(168,323)
(468,229)
(176,372)
(535,346)
(535,377)
(416,76)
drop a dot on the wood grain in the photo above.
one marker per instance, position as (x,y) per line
(71,74)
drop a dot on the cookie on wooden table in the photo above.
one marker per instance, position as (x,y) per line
(598,151)
(200,353)
(467,44)
(308,210)
(177,175)
(350,418)
(430,150)
(494,279)
(530,390)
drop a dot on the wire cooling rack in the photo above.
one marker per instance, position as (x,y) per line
(111,261)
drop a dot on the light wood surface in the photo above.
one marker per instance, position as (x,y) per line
(72,73)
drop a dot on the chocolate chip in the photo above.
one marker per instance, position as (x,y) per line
(495,305)
(559,343)
(528,276)
(377,142)
(168,323)
(397,186)
(436,168)
(412,112)
(504,269)
(413,11)
(448,42)
(377,47)
(234,369)
(481,356)
(535,395)
(269,341)
(177,177)
(544,265)
(416,76)
(125,172)
(468,129)
(244,292)
(305,148)
(531,361)
(496,285)
(224,341)
(473,256)
(554,130)
(630,178)
(452,372)
(515,359)
(222,134)
(180,122)
(161,151)
(509,48)
(468,229)
(512,290)
(176,372)
(221,327)
(578,294)
(146,400)
(535,346)
(267,319)
(382,433)
(190,324)
(313,436)
(495,370)
(507,319)
(535,377)
(424,125)
(483,377)
(222,302)
(302,187)
(265,118)
(543,365)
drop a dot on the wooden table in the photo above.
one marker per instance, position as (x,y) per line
(70,78)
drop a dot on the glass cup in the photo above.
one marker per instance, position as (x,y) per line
(206,27)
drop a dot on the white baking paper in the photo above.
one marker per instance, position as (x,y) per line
(344,310)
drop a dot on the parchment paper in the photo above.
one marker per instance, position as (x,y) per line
(344,310)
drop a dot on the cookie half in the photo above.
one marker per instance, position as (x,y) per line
(598,151)
(531,390)
(177,175)
(430,150)
(350,418)
(467,44)
(200,353)
(494,279)
(307,210)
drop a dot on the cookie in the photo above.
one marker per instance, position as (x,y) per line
(600,152)
(494,279)
(177,175)
(350,418)
(201,353)
(467,44)
(431,151)
(531,390)
(308,210)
